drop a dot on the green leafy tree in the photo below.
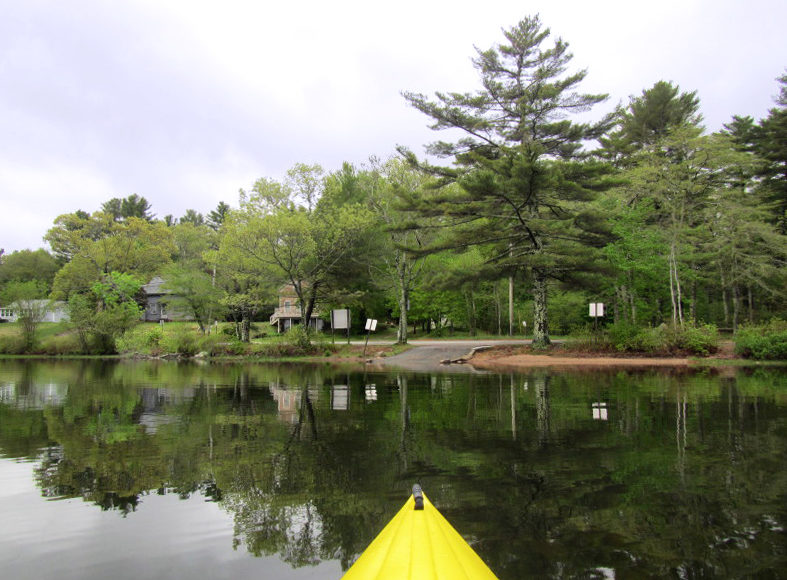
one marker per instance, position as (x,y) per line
(103,314)
(29,265)
(192,291)
(306,183)
(72,230)
(639,144)
(191,242)
(396,267)
(679,175)
(525,180)
(293,245)
(247,286)
(743,243)
(27,299)
(191,279)
(98,245)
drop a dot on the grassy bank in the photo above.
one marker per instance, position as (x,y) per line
(767,342)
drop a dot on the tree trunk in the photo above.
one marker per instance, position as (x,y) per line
(498,307)
(401,334)
(540,323)
(750,299)
(693,303)
(675,290)
(470,302)
(510,306)
(245,327)
(735,307)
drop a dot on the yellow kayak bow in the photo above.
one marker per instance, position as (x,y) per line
(419,544)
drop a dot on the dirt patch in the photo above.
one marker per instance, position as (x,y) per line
(507,357)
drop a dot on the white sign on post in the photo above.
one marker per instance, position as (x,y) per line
(371,324)
(596,309)
(340,319)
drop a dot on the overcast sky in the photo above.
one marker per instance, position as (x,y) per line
(185,102)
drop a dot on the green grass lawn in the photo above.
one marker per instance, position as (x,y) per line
(45,329)
(149,338)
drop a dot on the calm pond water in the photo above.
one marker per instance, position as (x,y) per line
(165,470)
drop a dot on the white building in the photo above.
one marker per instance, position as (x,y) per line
(55,311)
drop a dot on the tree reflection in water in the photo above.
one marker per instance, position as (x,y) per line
(684,476)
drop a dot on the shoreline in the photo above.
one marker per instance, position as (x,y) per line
(427,358)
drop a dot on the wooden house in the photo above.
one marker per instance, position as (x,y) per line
(156,307)
(288,313)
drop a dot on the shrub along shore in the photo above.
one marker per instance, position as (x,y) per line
(762,342)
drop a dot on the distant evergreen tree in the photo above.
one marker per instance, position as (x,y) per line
(112,207)
(659,110)
(650,117)
(193,217)
(217,216)
(743,131)
(131,206)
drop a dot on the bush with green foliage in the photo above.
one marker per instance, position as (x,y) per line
(59,345)
(700,340)
(102,316)
(295,342)
(12,344)
(766,342)
(181,341)
(663,339)
(142,339)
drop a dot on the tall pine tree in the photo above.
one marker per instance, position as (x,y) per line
(525,179)
(771,144)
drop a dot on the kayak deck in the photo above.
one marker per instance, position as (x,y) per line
(419,544)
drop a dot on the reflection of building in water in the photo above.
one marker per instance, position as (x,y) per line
(154,401)
(288,402)
(33,395)
(599,411)
(340,398)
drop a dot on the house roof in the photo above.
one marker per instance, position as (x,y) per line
(155,286)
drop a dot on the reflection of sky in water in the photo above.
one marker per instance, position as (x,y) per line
(166,537)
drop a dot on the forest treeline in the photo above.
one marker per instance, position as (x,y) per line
(527,212)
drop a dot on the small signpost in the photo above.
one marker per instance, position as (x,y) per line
(596,312)
(596,309)
(371,325)
(340,320)
(599,411)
